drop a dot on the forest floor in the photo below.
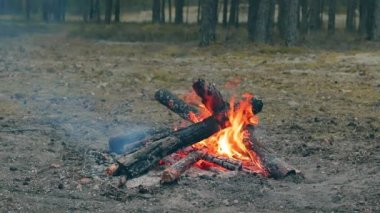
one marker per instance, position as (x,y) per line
(61,98)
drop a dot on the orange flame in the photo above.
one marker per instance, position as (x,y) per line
(230,142)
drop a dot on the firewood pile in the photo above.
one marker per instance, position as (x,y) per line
(221,137)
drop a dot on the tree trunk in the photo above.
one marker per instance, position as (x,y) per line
(233,12)
(225,10)
(350,15)
(208,25)
(28,7)
(259,32)
(375,21)
(199,12)
(170,10)
(117,11)
(178,19)
(45,10)
(290,21)
(97,11)
(163,11)
(216,11)
(331,21)
(363,16)
(270,23)
(281,17)
(108,12)
(305,16)
(156,11)
(315,23)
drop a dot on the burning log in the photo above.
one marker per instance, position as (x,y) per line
(227,163)
(175,104)
(141,161)
(277,168)
(174,172)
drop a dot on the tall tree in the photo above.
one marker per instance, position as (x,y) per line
(270,23)
(170,10)
(156,6)
(304,26)
(163,11)
(45,10)
(331,20)
(225,10)
(117,11)
(178,19)
(208,25)
(28,7)
(290,33)
(350,15)
(315,21)
(260,21)
(234,13)
(108,11)
(363,16)
(373,24)
(97,11)
(199,12)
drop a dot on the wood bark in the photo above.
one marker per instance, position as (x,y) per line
(226,163)
(175,171)
(350,15)
(175,104)
(259,32)
(331,20)
(208,24)
(290,32)
(178,19)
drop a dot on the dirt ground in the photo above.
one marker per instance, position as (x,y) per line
(61,98)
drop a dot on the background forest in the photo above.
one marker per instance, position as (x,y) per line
(287,22)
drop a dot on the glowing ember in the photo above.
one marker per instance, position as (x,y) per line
(231,142)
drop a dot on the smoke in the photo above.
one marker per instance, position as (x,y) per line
(118,144)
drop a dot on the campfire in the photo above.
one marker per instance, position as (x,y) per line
(221,138)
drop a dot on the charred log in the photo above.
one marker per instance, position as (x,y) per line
(227,163)
(175,104)
(141,161)
(175,171)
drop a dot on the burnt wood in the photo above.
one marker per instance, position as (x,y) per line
(229,164)
(175,171)
(175,104)
(141,161)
